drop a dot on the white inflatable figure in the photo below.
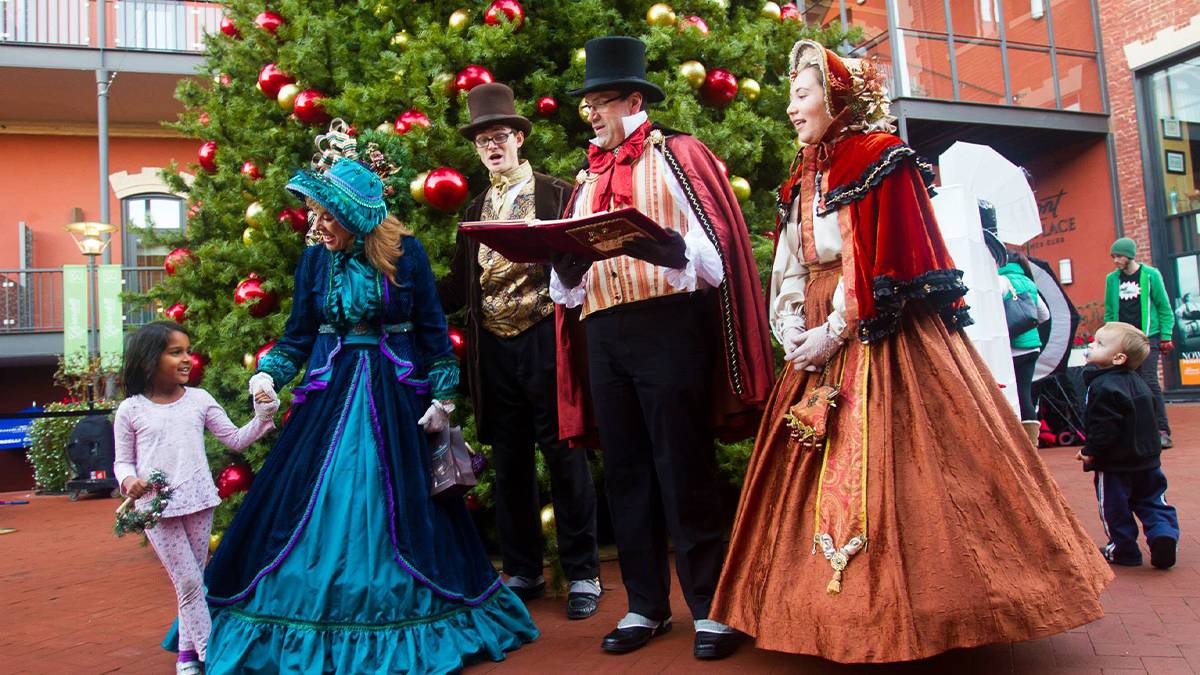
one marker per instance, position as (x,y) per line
(957,214)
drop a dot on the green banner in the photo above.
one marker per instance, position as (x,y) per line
(75,317)
(109,309)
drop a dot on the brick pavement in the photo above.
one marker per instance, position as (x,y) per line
(75,599)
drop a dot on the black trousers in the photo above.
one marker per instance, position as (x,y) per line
(1023,367)
(651,369)
(1149,372)
(521,402)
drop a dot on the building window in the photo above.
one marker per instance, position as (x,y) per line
(144,261)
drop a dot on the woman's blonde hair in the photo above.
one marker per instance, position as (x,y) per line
(382,245)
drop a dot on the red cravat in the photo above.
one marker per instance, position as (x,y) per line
(614,170)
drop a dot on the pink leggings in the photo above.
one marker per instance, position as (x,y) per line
(182,545)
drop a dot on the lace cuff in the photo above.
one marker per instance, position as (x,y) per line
(569,297)
(443,378)
(279,366)
(703,262)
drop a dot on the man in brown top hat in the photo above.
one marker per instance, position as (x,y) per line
(510,365)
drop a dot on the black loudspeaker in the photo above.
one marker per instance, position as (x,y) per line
(91,450)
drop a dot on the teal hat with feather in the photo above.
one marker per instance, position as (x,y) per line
(350,187)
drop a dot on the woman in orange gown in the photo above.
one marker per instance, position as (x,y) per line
(923,520)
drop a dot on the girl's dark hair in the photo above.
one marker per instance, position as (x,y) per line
(142,351)
(1022,260)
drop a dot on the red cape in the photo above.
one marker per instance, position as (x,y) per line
(898,253)
(737,310)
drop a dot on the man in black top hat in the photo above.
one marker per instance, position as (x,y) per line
(510,365)
(676,348)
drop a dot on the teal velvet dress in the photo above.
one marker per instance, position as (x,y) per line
(339,560)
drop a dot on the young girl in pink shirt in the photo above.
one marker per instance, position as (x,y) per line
(160,426)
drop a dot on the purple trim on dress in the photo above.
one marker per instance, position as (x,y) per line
(312,499)
(406,368)
(408,567)
(300,394)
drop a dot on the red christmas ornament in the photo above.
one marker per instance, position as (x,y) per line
(176,258)
(472,502)
(694,22)
(790,12)
(208,156)
(202,118)
(271,78)
(229,29)
(295,217)
(286,414)
(458,341)
(547,106)
(262,351)
(719,88)
(261,301)
(177,312)
(250,170)
(409,119)
(197,373)
(510,9)
(470,77)
(308,108)
(224,80)
(445,189)
(194,209)
(269,21)
(770,234)
(234,478)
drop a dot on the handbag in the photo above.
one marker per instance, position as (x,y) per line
(809,419)
(1021,312)
(452,475)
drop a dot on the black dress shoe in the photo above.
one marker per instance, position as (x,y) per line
(582,605)
(527,593)
(624,640)
(712,646)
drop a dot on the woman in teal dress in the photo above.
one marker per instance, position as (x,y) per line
(339,560)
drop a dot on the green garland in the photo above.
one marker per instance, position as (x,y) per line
(135,520)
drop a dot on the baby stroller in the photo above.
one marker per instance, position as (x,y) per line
(91,450)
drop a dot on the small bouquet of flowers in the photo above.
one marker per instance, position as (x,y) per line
(131,520)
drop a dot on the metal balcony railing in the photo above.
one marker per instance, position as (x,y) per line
(149,25)
(31,299)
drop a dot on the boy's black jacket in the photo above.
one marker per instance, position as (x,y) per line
(1119,421)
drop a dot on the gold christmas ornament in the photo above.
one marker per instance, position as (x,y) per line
(694,72)
(772,10)
(749,88)
(287,97)
(660,14)
(386,128)
(459,19)
(214,540)
(248,361)
(400,40)
(548,518)
(254,214)
(416,188)
(248,236)
(583,115)
(741,188)
(579,58)
(443,83)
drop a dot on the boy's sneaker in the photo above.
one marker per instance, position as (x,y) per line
(1124,562)
(188,668)
(1162,552)
(1165,438)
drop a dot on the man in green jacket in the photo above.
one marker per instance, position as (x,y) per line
(1134,293)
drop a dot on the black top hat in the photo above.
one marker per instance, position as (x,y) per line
(491,104)
(617,62)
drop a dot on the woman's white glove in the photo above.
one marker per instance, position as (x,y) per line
(792,337)
(437,418)
(265,410)
(263,382)
(814,349)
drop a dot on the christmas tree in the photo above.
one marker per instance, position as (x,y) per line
(398,73)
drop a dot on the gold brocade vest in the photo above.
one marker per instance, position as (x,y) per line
(623,279)
(514,296)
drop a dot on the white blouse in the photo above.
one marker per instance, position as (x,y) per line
(789,274)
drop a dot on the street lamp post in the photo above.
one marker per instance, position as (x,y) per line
(92,240)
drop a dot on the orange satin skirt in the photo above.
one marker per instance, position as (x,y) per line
(969,540)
